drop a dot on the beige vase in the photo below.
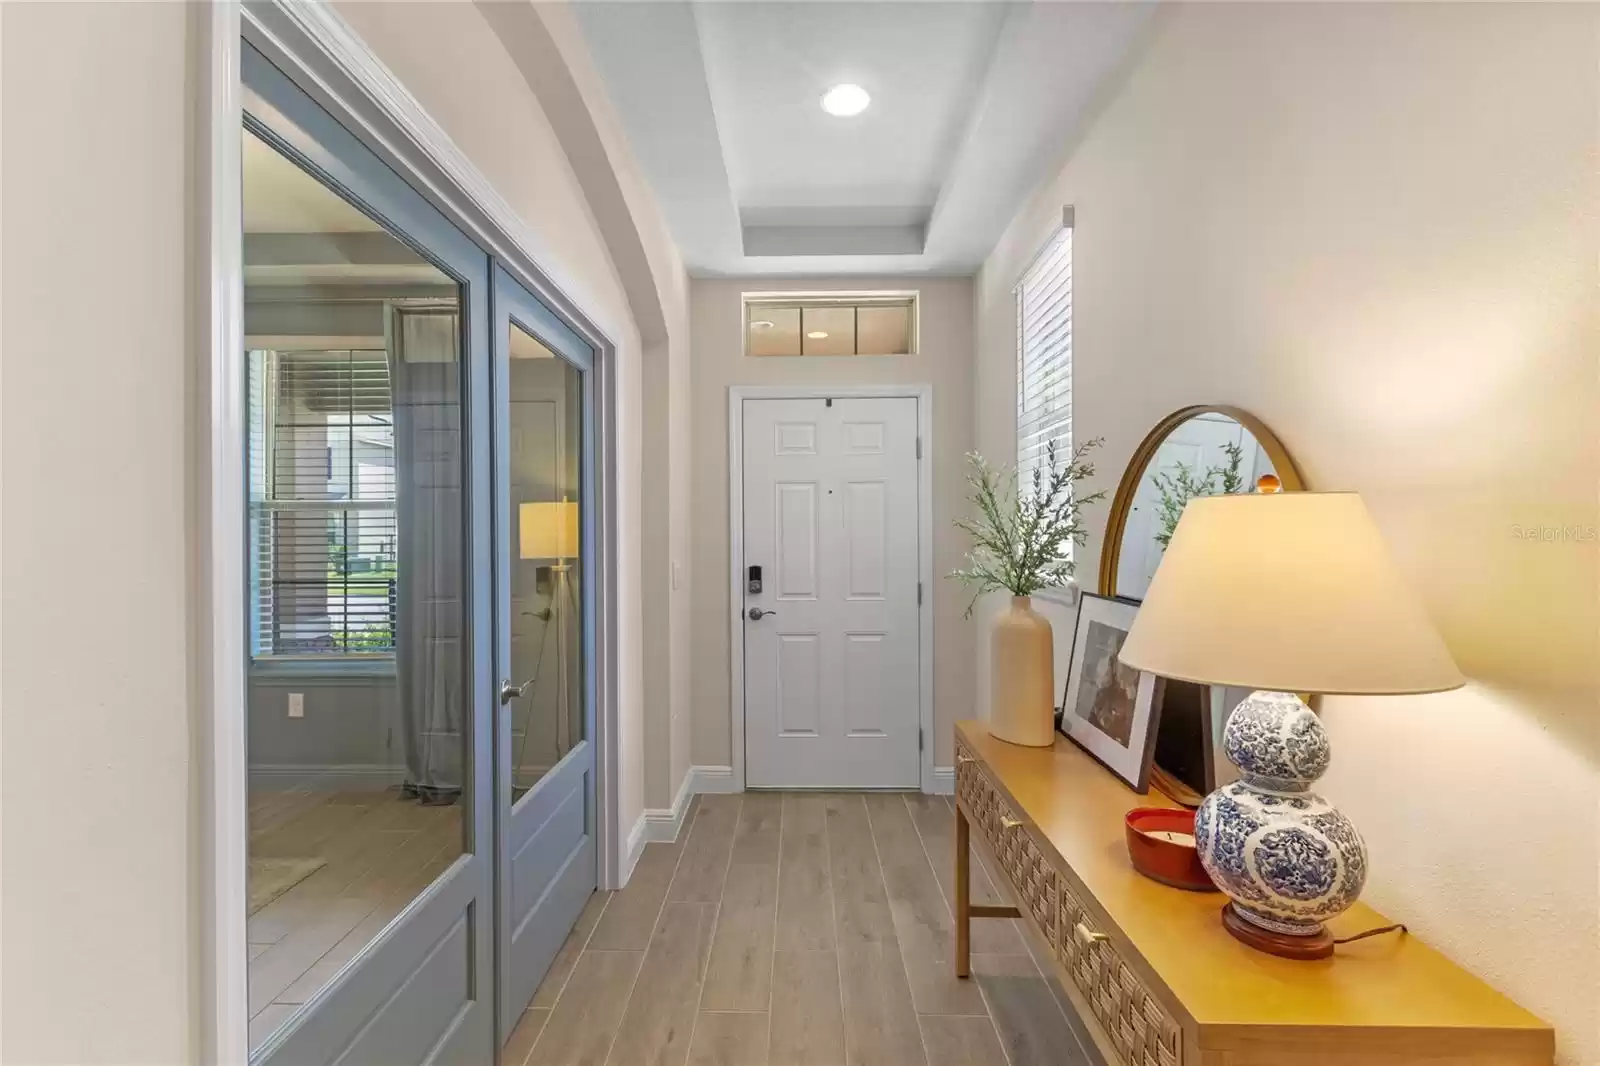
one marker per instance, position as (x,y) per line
(1022,676)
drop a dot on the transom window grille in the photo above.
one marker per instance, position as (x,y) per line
(832,323)
(322,503)
(1044,358)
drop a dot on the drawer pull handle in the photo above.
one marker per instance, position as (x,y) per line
(962,760)
(1088,937)
(1010,823)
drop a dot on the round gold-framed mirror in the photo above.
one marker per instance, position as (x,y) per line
(1204,450)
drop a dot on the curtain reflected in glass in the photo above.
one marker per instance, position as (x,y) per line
(547,567)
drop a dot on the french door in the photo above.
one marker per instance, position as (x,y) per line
(367,325)
(544,608)
(423,574)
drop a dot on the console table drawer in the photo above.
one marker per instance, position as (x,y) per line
(1141,1030)
(1021,861)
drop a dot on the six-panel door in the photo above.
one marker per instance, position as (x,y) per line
(832,639)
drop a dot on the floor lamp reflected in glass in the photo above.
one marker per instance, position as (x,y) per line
(549,531)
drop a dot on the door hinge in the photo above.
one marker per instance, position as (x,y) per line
(919,738)
(919,447)
(919,594)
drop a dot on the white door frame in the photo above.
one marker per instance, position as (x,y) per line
(312,45)
(923,394)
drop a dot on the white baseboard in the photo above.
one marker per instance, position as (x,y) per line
(713,780)
(351,776)
(661,825)
(632,850)
(657,825)
(944,780)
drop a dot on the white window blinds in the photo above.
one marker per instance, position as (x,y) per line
(322,503)
(1044,358)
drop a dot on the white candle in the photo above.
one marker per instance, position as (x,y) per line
(1171,836)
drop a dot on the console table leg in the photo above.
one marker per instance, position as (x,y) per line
(963,958)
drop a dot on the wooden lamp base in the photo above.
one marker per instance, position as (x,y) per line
(1316,946)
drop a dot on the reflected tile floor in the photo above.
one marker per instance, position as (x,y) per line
(378,852)
(797,929)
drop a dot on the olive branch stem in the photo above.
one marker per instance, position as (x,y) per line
(1020,539)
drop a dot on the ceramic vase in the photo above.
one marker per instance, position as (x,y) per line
(1022,681)
(1287,858)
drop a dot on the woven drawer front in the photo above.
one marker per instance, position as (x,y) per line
(1141,1030)
(1033,880)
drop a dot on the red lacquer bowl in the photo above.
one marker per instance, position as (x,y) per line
(1161,845)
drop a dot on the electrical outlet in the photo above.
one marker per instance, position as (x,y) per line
(297,705)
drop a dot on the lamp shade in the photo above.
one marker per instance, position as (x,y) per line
(548,530)
(1289,591)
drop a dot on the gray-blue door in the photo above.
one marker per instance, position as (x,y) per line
(405,905)
(545,785)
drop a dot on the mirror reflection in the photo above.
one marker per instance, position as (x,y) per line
(547,718)
(1208,455)
(357,570)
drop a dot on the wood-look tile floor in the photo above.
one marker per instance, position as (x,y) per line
(379,851)
(796,929)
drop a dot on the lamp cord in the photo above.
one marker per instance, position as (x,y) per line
(1379,931)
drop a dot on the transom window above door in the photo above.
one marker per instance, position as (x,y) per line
(831,323)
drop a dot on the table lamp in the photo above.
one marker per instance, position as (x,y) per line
(549,530)
(1284,593)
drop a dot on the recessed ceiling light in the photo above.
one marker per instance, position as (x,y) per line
(761,323)
(845,100)
(817,335)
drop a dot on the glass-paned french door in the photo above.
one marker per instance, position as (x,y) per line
(543,376)
(421,611)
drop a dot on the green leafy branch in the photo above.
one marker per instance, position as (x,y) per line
(1184,484)
(1021,540)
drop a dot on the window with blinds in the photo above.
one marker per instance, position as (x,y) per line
(1044,358)
(322,504)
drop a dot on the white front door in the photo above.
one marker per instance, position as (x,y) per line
(831,642)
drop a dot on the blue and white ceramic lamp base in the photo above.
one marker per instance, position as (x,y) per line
(1286,858)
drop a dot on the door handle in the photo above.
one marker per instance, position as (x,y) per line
(510,691)
(756,614)
(1088,937)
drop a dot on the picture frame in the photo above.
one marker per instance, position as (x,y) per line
(1107,709)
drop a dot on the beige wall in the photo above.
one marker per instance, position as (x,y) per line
(1374,226)
(99,912)
(945,362)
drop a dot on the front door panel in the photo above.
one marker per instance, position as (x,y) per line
(832,650)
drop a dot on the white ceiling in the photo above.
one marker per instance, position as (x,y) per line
(973,104)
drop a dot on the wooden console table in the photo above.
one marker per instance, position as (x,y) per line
(1155,977)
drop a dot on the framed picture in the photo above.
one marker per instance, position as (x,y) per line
(1110,710)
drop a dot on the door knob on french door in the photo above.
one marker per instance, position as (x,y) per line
(756,614)
(510,691)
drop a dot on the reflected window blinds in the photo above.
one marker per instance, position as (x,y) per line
(322,503)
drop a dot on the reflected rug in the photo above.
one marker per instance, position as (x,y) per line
(271,878)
